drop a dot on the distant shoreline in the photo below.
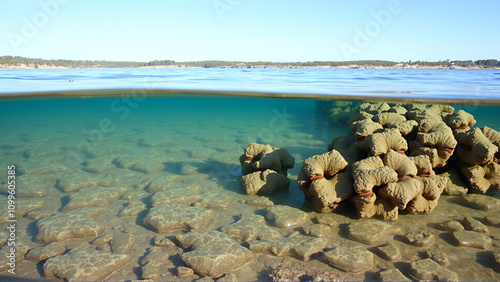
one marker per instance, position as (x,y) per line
(16,62)
(398,66)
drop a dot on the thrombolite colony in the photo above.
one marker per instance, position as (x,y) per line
(185,212)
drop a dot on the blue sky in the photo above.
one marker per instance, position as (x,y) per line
(250,30)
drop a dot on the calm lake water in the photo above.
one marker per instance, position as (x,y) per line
(147,138)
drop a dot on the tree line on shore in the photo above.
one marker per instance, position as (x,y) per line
(16,61)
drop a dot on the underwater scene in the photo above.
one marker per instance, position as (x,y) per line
(382,184)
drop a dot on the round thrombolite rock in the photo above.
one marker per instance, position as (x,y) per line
(349,258)
(389,251)
(370,231)
(286,217)
(471,239)
(392,275)
(419,238)
(427,269)
(494,259)
(474,225)
(437,256)
(482,202)
(451,225)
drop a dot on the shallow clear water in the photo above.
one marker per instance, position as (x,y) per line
(135,141)
(475,85)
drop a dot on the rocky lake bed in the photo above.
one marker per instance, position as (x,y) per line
(164,201)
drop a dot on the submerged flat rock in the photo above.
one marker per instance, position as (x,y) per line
(349,258)
(392,274)
(73,224)
(98,196)
(23,206)
(260,202)
(427,269)
(316,230)
(132,208)
(44,252)
(474,225)
(492,220)
(437,256)
(77,180)
(451,225)
(180,195)
(250,228)
(214,199)
(165,182)
(482,202)
(84,264)
(285,216)
(494,259)
(299,247)
(389,251)
(212,253)
(175,216)
(471,239)
(100,165)
(21,249)
(42,165)
(32,185)
(371,231)
(122,242)
(419,238)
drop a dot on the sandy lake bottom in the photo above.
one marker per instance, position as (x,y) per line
(135,149)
